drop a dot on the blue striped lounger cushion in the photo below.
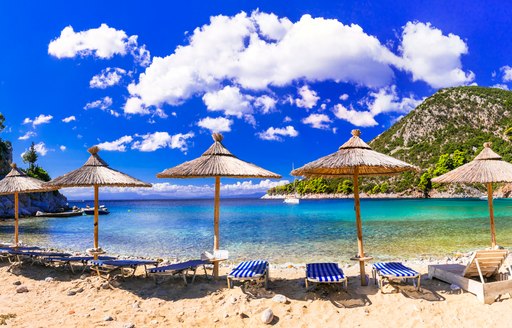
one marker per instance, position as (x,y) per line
(324,272)
(395,269)
(249,269)
(122,263)
(180,266)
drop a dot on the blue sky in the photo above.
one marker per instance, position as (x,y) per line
(285,82)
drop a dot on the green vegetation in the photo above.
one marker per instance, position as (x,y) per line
(5,150)
(447,130)
(34,170)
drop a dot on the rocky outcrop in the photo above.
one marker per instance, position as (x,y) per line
(29,204)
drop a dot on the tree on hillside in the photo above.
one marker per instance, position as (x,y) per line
(30,156)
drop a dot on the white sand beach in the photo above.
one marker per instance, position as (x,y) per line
(67,300)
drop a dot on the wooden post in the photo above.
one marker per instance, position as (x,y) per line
(16,216)
(216,225)
(96,207)
(491,214)
(359,226)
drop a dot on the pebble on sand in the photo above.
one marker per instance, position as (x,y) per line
(267,316)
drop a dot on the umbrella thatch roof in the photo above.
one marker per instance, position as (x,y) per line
(217,161)
(485,168)
(17,181)
(96,172)
(355,153)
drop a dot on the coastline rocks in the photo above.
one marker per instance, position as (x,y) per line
(267,316)
(29,204)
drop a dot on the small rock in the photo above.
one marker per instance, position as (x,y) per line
(92,309)
(105,285)
(49,279)
(71,293)
(154,322)
(280,299)
(226,315)
(84,276)
(79,290)
(243,315)
(366,311)
(233,300)
(129,325)
(216,320)
(71,312)
(17,283)
(136,305)
(181,314)
(267,316)
(22,289)
(108,318)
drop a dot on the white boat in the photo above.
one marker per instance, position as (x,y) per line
(292,199)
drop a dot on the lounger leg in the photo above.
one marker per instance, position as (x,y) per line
(194,276)
(184,275)
(205,273)
(419,283)
(306,282)
(229,283)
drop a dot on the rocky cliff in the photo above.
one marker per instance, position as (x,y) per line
(29,204)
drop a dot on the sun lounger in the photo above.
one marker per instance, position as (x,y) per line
(481,276)
(386,271)
(325,273)
(249,270)
(106,268)
(35,256)
(181,269)
(68,261)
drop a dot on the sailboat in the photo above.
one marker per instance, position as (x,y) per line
(292,199)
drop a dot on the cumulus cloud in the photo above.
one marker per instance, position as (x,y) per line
(434,57)
(116,145)
(265,103)
(69,119)
(103,42)
(135,105)
(102,104)
(308,98)
(107,78)
(261,50)
(169,190)
(277,133)
(62,148)
(386,100)
(344,96)
(507,73)
(500,86)
(317,121)
(27,135)
(217,124)
(357,118)
(38,120)
(40,148)
(157,140)
(228,100)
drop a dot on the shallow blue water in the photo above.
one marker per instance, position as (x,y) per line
(254,228)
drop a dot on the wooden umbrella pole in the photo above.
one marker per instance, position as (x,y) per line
(16,216)
(96,207)
(359,226)
(216,225)
(491,214)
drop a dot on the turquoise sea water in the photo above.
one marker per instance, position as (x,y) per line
(254,228)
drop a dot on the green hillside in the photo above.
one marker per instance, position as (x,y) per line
(445,131)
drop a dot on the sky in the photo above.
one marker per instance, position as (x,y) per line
(284,81)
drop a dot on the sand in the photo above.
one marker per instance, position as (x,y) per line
(139,302)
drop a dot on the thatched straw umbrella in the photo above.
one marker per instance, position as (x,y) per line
(353,159)
(16,182)
(487,167)
(96,172)
(217,162)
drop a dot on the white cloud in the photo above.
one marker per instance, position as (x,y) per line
(261,50)
(287,119)
(102,104)
(308,98)
(103,42)
(277,133)
(169,190)
(386,100)
(433,57)
(134,105)
(357,118)
(317,121)
(69,119)
(41,149)
(265,103)
(218,124)
(27,135)
(344,96)
(107,78)
(507,73)
(157,140)
(62,148)
(228,100)
(500,86)
(41,119)
(116,145)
